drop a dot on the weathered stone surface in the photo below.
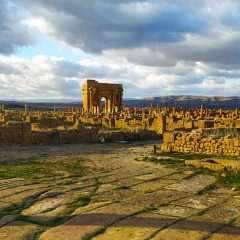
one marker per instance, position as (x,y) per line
(4,204)
(135,228)
(150,176)
(223,213)
(22,196)
(131,184)
(86,223)
(176,176)
(116,195)
(17,230)
(226,233)
(89,207)
(11,183)
(175,211)
(106,188)
(151,186)
(9,192)
(7,219)
(49,216)
(201,201)
(157,198)
(44,205)
(193,184)
(184,230)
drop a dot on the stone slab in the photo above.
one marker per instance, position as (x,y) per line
(135,228)
(193,184)
(17,230)
(227,233)
(87,223)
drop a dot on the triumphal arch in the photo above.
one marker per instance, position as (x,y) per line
(94,92)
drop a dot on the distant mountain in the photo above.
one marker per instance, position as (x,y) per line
(186,101)
(183,101)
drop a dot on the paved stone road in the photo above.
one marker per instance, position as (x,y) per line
(128,200)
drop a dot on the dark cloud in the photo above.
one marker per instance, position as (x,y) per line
(12,33)
(220,52)
(95,26)
(152,33)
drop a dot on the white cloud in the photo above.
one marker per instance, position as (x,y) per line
(46,77)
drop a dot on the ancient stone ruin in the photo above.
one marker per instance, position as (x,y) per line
(185,130)
(94,91)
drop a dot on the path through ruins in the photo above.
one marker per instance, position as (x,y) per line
(119,198)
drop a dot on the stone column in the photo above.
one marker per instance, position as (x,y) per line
(90,100)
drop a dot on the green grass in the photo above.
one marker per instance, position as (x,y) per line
(176,160)
(195,156)
(15,209)
(43,169)
(36,235)
(78,202)
(185,156)
(229,179)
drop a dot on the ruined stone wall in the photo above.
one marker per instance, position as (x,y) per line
(15,133)
(129,135)
(21,133)
(80,135)
(197,142)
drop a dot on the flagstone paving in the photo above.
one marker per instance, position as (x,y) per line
(117,199)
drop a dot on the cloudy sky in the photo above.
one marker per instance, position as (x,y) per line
(48,48)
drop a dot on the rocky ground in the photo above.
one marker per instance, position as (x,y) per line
(113,197)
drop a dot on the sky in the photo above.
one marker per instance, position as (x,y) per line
(48,48)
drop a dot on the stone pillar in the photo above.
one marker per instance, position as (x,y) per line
(113,101)
(161,122)
(90,100)
(109,105)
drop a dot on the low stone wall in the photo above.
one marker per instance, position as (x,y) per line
(15,133)
(195,142)
(127,135)
(80,135)
(21,133)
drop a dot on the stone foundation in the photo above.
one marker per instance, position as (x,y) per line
(197,142)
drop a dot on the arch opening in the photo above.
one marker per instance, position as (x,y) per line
(103,105)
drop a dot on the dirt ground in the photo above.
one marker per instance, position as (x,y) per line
(117,198)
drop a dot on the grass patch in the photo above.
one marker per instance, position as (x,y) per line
(231,179)
(43,169)
(165,161)
(78,202)
(176,160)
(15,209)
(36,235)
(203,171)
(185,156)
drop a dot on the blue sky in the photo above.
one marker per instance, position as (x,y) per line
(153,47)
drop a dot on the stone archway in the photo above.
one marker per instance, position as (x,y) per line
(93,92)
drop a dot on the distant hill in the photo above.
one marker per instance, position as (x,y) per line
(183,101)
(186,102)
